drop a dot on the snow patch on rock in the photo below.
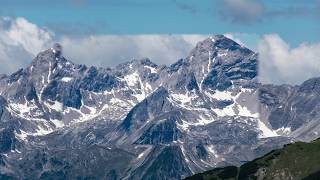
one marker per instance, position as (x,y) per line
(265,131)
(66,79)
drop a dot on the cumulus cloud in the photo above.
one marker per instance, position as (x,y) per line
(28,35)
(279,63)
(110,50)
(21,40)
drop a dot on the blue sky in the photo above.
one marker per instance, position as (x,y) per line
(285,33)
(296,21)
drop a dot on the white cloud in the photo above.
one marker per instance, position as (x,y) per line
(110,50)
(31,37)
(279,63)
(21,40)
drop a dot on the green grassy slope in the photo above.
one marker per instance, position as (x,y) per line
(295,161)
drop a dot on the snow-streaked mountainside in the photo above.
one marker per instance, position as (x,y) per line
(139,120)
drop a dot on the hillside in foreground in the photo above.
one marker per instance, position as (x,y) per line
(294,161)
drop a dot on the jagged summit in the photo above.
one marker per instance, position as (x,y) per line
(137,63)
(224,42)
(57,49)
(218,44)
(51,56)
(219,62)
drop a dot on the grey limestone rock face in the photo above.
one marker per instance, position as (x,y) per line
(294,110)
(140,120)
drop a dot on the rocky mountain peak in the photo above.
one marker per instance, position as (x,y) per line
(57,49)
(144,61)
(136,64)
(49,56)
(220,60)
(218,45)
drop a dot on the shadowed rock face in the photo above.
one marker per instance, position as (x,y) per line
(295,108)
(61,120)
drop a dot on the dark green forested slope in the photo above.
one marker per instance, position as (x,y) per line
(295,161)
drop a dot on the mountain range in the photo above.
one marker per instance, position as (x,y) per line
(140,120)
